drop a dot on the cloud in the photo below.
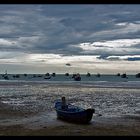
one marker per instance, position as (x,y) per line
(118,43)
(112,47)
(128,29)
(134,59)
(5,42)
(73,33)
(58,27)
(123,57)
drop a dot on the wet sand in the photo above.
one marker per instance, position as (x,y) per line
(17,123)
(37,117)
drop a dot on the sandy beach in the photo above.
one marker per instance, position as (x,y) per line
(29,110)
(19,124)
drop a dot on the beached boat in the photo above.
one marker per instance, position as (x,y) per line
(73,113)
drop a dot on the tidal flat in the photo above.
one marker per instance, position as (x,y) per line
(28,109)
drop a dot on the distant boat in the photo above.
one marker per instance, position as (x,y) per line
(118,74)
(66,74)
(98,75)
(68,64)
(47,77)
(88,74)
(73,76)
(53,74)
(25,74)
(77,77)
(138,75)
(47,74)
(73,113)
(124,75)
(6,77)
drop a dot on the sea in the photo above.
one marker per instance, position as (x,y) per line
(109,95)
(93,80)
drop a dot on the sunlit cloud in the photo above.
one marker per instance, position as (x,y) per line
(113,44)
(120,46)
(118,43)
(122,24)
(60,59)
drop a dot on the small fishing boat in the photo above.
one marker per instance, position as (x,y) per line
(47,77)
(73,113)
(76,77)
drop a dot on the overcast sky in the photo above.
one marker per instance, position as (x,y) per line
(92,38)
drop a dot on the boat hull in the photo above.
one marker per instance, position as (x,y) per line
(82,116)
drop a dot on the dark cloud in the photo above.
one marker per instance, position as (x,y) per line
(57,27)
(133,59)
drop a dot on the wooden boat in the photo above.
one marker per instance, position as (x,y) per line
(73,113)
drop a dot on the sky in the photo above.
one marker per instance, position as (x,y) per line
(95,38)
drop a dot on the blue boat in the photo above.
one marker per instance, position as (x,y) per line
(73,113)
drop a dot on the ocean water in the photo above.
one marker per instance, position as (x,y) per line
(62,77)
